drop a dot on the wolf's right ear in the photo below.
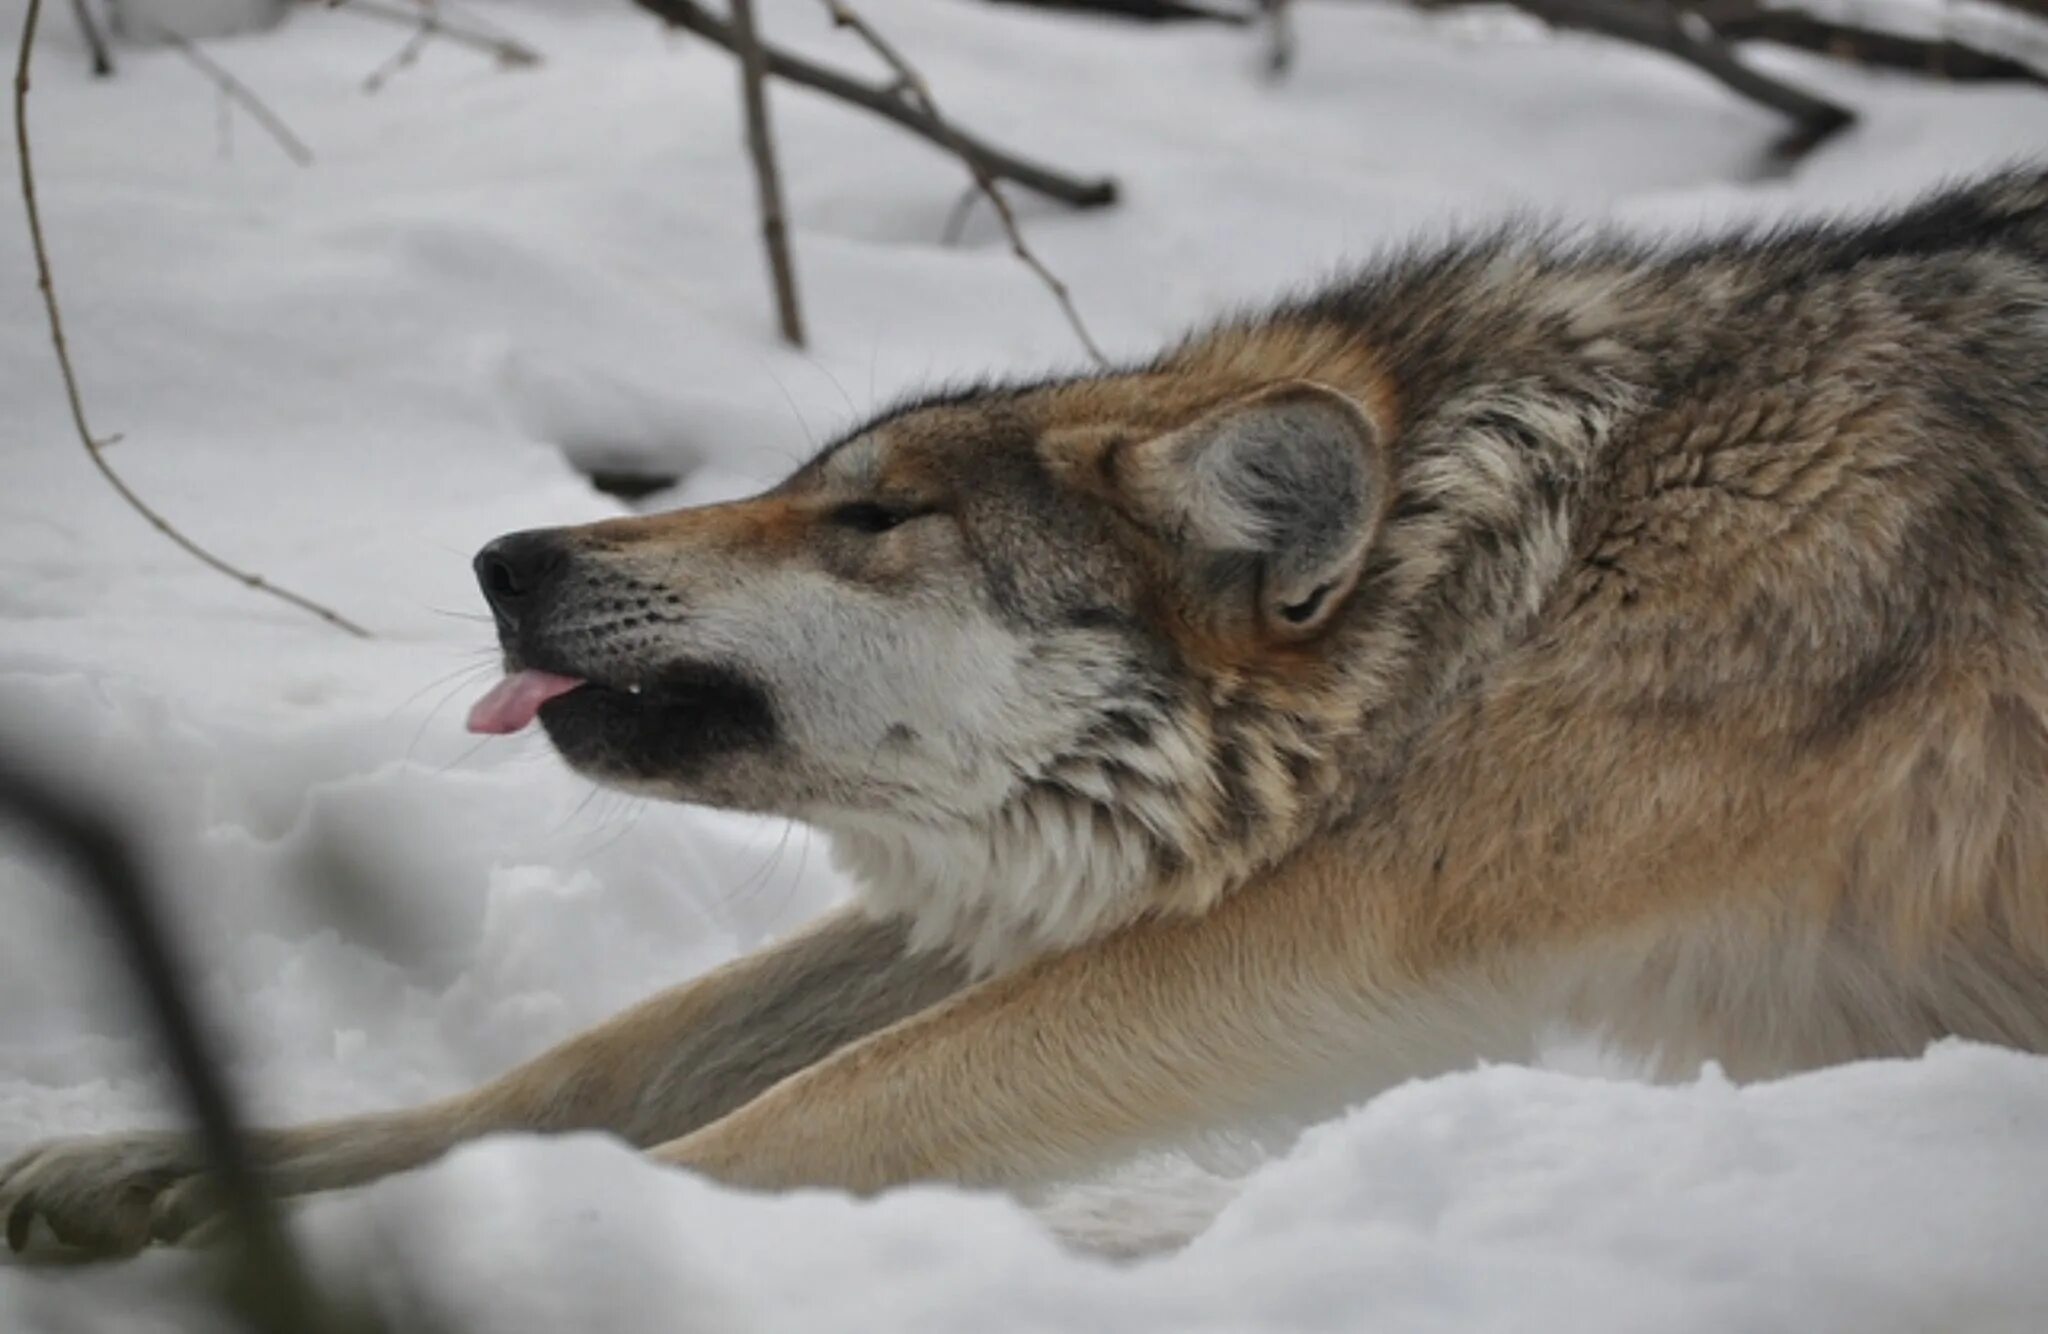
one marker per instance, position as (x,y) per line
(1283,488)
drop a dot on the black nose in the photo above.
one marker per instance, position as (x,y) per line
(514,569)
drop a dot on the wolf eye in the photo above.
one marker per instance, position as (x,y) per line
(864,516)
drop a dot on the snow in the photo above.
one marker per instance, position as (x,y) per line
(351,375)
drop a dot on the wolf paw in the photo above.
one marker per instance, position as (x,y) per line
(109,1195)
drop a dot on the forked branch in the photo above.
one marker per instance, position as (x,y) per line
(428,21)
(885,100)
(241,94)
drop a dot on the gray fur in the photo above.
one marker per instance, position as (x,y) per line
(821,991)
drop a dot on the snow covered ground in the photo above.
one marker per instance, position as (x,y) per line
(349,375)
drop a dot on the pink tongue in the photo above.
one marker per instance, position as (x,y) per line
(514,701)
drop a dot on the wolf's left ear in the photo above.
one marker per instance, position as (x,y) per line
(1285,486)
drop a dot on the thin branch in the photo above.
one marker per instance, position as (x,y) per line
(95,40)
(886,101)
(508,50)
(919,92)
(405,58)
(957,216)
(94,448)
(761,147)
(240,94)
(271,1283)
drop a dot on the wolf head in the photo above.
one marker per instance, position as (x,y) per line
(1004,636)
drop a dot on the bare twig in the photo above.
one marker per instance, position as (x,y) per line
(429,18)
(95,40)
(916,90)
(240,94)
(271,1285)
(886,100)
(761,147)
(957,216)
(405,57)
(95,448)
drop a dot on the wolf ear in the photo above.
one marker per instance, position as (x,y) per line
(1285,486)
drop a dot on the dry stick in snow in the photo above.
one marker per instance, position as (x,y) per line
(761,147)
(432,22)
(95,449)
(886,101)
(914,88)
(241,95)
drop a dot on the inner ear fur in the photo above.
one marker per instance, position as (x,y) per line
(1283,488)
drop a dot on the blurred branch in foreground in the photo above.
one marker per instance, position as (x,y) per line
(267,1283)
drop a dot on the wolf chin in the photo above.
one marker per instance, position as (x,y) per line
(1648,637)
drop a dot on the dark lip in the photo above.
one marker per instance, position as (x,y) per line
(673,687)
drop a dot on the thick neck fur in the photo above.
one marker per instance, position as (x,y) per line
(1190,793)
(1508,377)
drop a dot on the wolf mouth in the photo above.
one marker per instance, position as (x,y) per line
(657,725)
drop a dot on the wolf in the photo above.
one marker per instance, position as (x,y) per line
(1649,637)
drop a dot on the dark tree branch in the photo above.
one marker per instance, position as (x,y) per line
(1946,58)
(1661,26)
(761,147)
(270,1284)
(887,101)
(95,449)
(916,90)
